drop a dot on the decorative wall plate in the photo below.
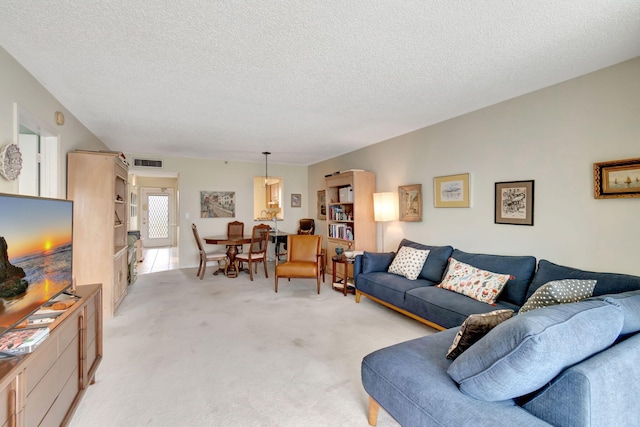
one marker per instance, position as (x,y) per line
(10,162)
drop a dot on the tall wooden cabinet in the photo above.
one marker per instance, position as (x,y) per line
(97,184)
(350,223)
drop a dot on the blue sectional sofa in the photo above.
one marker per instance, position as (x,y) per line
(565,365)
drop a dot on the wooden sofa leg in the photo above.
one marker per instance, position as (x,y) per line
(358,295)
(373,411)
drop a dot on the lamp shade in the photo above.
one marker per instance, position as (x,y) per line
(384,206)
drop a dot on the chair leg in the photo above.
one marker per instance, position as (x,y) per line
(276,283)
(199,268)
(318,283)
(266,273)
(204,267)
(251,271)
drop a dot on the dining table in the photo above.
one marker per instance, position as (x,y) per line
(231,242)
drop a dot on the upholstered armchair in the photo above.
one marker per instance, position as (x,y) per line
(304,254)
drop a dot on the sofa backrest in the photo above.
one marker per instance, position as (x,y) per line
(607,283)
(521,268)
(436,263)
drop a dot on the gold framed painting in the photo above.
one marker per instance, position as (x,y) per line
(451,191)
(410,201)
(618,178)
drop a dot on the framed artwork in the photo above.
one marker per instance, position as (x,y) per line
(451,191)
(217,204)
(296,200)
(410,201)
(514,202)
(618,178)
(322,205)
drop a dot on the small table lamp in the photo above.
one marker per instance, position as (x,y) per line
(385,209)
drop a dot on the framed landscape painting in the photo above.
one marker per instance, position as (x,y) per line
(451,191)
(618,178)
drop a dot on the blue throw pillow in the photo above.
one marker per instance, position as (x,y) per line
(630,306)
(376,261)
(524,353)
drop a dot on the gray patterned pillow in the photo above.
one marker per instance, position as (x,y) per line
(559,292)
(408,262)
(475,327)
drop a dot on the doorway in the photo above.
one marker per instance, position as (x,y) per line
(158,227)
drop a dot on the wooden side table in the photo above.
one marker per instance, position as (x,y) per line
(345,284)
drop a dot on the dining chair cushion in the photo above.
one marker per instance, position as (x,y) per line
(245,256)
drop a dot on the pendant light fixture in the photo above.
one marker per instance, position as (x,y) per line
(266,168)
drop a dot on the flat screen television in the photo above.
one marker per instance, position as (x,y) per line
(39,239)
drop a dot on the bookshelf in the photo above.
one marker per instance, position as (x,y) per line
(350,223)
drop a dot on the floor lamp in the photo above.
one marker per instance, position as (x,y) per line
(385,209)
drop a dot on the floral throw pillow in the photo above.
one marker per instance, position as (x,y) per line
(408,262)
(473,282)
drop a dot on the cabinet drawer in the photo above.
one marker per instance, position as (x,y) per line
(46,392)
(42,360)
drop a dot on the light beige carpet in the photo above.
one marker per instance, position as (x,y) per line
(231,352)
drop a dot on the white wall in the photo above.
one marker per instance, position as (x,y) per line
(18,86)
(552,136)
(195,175)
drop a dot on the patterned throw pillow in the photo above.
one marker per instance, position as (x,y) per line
(559,292)
(475,327)
(408,262)
(473,282)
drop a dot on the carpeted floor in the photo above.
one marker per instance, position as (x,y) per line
(231,352)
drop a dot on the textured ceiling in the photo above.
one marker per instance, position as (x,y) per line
(306,80)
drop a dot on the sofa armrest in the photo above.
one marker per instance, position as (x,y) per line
(357,266)
(601,390)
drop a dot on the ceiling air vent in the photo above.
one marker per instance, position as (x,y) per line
(147,163)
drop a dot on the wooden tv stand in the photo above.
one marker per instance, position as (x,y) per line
(44,387)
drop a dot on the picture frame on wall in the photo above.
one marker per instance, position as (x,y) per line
(451,191)
(322,205)
(217,204)
(410,202)
(514,202)
(617,178)
(296,200)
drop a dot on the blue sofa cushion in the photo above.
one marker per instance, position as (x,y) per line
(608,283)
(629,303)
(376,261)
(388,287)
(522,354)
(446,308)
(520,267)
(436,263)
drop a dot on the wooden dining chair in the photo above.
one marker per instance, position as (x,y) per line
(304,254)
(257,250)
(236,228)
(205,256)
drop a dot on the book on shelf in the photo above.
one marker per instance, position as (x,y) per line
(21,341)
